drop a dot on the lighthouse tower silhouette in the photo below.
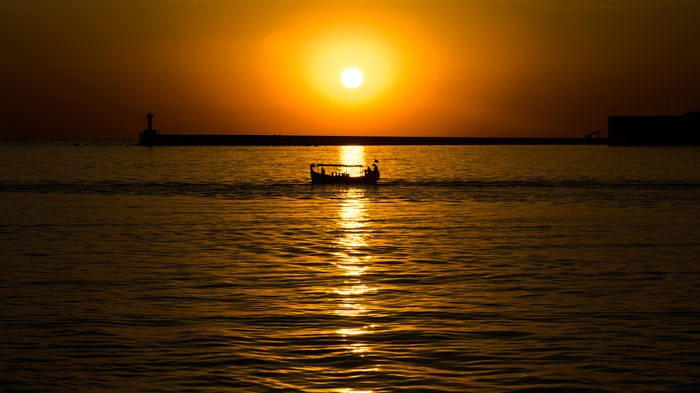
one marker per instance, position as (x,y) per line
(150,120)
(150,132)
(148,137)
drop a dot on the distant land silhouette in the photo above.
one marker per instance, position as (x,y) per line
(622,130)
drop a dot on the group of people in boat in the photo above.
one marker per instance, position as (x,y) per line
(336,174)
(367,171)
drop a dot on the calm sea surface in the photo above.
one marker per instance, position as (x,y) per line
(465,269)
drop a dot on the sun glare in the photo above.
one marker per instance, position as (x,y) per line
(351,78)
(306,59)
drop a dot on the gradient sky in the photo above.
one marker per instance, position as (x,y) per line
(483,68)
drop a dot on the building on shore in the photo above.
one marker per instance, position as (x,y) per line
(654,130)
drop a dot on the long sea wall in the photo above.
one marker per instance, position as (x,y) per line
(301,140)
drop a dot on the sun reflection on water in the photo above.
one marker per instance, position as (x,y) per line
(352,262)
(350,310)
(355,290)
(352,155)
(351,270)
(358,348)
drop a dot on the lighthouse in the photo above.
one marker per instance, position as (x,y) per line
(147,137)
(150,132)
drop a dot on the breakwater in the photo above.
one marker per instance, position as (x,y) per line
(311,140)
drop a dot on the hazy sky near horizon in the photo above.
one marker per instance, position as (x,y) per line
(485,68)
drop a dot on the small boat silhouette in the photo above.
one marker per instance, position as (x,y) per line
(345,174)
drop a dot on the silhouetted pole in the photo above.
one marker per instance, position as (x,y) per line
(150,120)
(666,104)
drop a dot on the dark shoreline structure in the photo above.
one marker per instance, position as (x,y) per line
(655,130)
(310,140)
(151,137)
(622,131)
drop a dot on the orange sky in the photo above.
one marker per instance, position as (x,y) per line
(487,68)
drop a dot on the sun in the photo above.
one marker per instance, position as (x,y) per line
(351,78)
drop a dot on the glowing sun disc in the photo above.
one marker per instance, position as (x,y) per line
(351,78)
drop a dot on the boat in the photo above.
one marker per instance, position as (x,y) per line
(344,174)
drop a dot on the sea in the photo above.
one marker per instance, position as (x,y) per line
(464,269)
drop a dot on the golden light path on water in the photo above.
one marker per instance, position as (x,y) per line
(351,261)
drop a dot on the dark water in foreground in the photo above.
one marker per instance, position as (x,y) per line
(467,268)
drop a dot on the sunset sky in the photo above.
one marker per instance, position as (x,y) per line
(482,68)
